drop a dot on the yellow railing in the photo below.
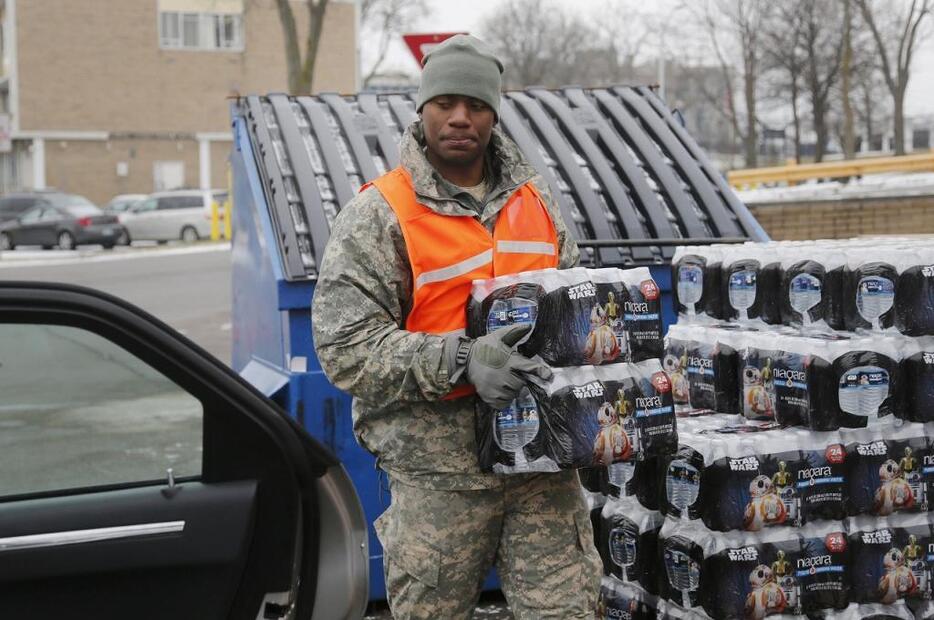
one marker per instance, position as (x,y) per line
(752,177)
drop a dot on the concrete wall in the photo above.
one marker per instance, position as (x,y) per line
(840,220)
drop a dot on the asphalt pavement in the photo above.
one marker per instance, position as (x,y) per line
(187,286)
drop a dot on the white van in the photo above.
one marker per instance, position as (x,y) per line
(164,216)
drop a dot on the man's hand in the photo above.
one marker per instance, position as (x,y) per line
(497,370)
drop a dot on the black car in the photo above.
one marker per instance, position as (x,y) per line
(65,220)
(142,478)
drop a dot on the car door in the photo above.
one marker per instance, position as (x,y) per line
(144,479)
(167,217)
(27,233)
(47,228)
(142,221)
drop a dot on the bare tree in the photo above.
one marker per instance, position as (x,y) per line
(733,28)
(823,46)
(846,75)
(539,43)
(301,70)
(384,21)
(782,36)
(897,35)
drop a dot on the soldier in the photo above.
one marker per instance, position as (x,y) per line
(388,328)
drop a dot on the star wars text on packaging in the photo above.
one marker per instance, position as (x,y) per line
(628,541)
(891,559)
(582,316)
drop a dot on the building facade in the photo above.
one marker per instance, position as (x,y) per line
(105,97)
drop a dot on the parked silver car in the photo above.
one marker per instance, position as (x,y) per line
(164,216)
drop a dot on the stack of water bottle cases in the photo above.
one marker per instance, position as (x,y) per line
(802,374)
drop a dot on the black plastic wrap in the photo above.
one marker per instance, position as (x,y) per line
(741,291)
(916,374)
(629,541)
(702,368)
(890,559)
(869,292)
(803,298)
(890,472)
(581,316)
(914,301)
(514,304)
(584,417)
(854,390)
(624,601)
(748,478)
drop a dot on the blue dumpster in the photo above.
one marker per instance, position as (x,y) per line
(631,184)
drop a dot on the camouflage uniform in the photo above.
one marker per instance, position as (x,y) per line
(448,521)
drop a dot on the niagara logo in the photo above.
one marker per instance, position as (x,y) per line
(749,463)
(700,362)
(821,560)
(876,448)
(787,374)
(593,389)
(579,291)
(648,402)
(746,554)
(636,307)
(880,537)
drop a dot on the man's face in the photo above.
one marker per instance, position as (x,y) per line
(457,128)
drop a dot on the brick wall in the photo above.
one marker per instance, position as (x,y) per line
(844,219)
(96,65)
(89,167)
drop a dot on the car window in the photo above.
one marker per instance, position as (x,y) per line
(17,204)
(82,210)
(147,204)
(64,200)
(79,411)
(49,214)
(180,202)
(32,216)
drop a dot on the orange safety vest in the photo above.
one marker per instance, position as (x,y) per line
(448,253)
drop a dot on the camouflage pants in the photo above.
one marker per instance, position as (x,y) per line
(440,545)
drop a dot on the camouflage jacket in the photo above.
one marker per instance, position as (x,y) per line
(363,296)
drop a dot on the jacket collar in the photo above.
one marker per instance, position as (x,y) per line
(505,165)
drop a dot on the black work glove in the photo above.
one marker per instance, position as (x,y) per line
(497,370)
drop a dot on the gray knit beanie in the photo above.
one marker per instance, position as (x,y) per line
(461,65)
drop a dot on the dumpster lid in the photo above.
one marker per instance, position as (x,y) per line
(630,182)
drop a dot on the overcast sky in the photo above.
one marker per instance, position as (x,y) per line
(452,16)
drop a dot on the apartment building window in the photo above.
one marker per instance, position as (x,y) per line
(200,31)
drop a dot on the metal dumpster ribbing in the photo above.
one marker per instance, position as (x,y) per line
(618,162)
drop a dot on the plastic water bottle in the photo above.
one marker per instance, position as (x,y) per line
(516,427)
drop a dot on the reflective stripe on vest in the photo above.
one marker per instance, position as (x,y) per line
(449,252)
